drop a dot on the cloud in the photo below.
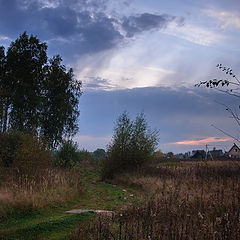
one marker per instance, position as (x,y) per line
(195,34)
(203,141)
(116,79)
(97,83)
(179,115)
(227,19)
(157,69)
(75,27)
(145,22)
(4,37)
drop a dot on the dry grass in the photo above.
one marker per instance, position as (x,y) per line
(37,189)
(189,201)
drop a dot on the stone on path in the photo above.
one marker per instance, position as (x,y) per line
(104,212)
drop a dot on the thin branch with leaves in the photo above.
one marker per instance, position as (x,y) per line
(223,85)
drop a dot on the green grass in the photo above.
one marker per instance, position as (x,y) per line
(43,226)
(53,223)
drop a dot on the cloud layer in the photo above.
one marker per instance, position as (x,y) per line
(178,114)
(76,27)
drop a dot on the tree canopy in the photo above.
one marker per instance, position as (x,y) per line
(133,145)
(37,94)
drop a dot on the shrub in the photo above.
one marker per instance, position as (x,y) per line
(84,155)
(99,153)
(133,145)
(32,153)
(9,143)
(23,151)
(67,155)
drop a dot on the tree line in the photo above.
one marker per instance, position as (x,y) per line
(37,94)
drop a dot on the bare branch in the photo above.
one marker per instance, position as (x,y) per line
(227,92)
(227,134)
(229,109)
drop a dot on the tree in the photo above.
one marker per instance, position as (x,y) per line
(229,87)
(170,155)
(60,103)
(37,95)
(133,144)
(25,61)
(159,154)
(67,155)
(5,92)
(99,153)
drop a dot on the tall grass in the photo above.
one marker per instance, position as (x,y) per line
(189,201)
(27,190)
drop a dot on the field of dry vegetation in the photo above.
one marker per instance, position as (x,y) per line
(35,189)
(183,200)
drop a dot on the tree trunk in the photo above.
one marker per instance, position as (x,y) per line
(5,116)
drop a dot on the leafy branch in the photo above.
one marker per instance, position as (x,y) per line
(222,85)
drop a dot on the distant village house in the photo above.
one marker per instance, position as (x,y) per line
(234,152)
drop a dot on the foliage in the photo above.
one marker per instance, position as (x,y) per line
(67,154)
(133,144)
(99,153)
(25,62)
(37,94)
(9,143)
(170,155)
(84,154)
(60,104)
(158,154)
(23,151)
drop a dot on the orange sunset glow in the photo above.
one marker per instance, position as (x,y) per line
(202,141)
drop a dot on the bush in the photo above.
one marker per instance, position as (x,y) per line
(67,155)
(133,145)
(99,153)
(23,151)
(9,143)
(84,155)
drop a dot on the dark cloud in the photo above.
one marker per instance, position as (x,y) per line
(145,22)
(96,83)
(100,34)
(74,27)
(60,21)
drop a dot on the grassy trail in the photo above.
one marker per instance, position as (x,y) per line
(54,224)
(43,226)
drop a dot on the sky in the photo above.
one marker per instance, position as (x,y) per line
(140,56)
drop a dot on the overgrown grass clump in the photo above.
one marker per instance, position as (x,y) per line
(28,191)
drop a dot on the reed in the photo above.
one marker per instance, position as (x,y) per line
(27,190)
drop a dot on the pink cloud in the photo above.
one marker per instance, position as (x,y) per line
(202,141)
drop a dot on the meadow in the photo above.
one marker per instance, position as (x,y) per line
(167,200)
(185,200)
